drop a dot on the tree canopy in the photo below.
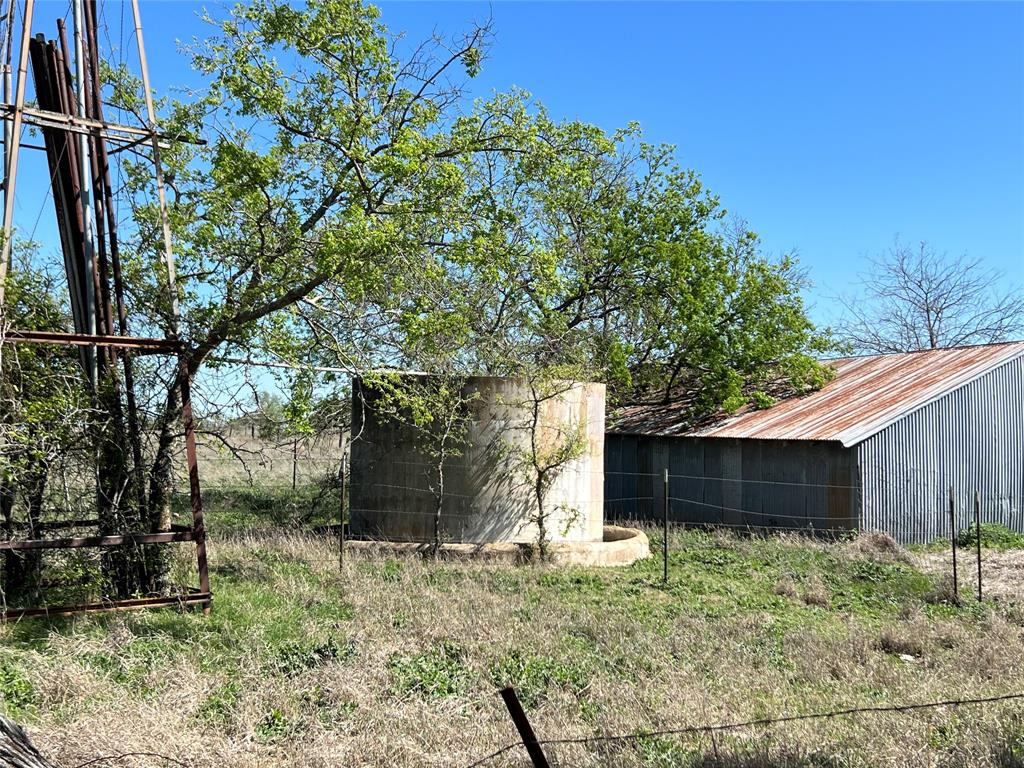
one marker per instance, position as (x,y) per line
(345,203)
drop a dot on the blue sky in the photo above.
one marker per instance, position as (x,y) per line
(830,127)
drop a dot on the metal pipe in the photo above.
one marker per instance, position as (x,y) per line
(85,185)
(952,538)
(8,53)
(165,221)
(11,164)
(522,723)
(664,538)
(977,532)
(156,346)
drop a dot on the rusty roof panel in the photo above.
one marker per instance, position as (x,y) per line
(866,395)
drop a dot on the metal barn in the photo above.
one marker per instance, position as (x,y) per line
(878,448)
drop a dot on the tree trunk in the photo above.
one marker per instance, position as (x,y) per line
(17,750)
(161,486)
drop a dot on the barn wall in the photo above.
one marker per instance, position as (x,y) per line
(971,439)
(725,481)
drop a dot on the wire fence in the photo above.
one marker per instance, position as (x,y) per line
(538,749)
(295,481)
(252,481)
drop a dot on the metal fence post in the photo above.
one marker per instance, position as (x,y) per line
(515,710)
(977,531)
(664,534)
(295,464)
(952,539)
(341,513)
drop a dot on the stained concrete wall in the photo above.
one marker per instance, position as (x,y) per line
(488,496)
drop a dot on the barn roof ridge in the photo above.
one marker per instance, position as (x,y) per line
(868,394)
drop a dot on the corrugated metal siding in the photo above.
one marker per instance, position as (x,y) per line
(970,439)
(731,482)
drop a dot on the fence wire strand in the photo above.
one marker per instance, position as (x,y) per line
(760,722)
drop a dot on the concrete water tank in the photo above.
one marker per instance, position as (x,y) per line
(488,494)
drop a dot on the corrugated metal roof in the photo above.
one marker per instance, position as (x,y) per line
(866,395)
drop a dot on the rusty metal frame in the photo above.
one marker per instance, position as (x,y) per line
(138,344)
(201,596)
(87,121)
(192,597)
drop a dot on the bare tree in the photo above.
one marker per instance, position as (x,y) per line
(919,298)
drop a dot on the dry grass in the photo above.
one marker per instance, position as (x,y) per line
(882,547)
(816,593)
(396,662)
(1002,571)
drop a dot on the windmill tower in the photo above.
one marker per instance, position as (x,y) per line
(79,144)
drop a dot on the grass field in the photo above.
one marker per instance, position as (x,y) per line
(397,661)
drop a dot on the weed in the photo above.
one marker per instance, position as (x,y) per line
(437,673)
(899,640)
(274,727)
(661,752)
(993,536)
(17,695)
(294,658)
(881,547)
(785,587)
(533,675)
(815,592)
(942,593)
(219,707)
(386,570)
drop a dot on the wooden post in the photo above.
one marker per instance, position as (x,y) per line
(952,539)
(664,534)
(515,710)
(977,531)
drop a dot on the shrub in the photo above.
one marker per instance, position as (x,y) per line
(993,536)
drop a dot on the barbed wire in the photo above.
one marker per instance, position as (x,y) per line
(760,722)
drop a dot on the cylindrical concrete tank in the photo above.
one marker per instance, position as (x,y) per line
(489,490)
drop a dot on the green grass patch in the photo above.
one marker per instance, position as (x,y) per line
(439,672)
(17,694)
(534,675)
(294,658)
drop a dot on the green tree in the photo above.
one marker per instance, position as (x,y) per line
(354,177)
(44,413)
(351,208)
(598,251)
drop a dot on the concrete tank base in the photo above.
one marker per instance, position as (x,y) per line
(619,546)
